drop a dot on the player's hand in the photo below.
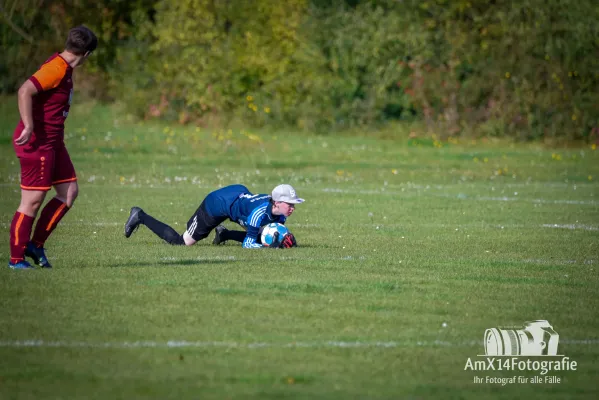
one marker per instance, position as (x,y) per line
(24,136)
(275,241)
(288,241)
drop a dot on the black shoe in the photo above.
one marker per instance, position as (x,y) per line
(218,235)
(38,255)
(133,222)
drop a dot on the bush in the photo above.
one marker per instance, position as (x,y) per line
(465,67)
(522,68)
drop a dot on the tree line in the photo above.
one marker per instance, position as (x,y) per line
(527,69)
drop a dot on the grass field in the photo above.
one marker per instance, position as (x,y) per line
(410,249)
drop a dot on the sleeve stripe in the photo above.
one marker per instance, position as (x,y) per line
(256,215)
(256,218)
(250,243)
(36,83)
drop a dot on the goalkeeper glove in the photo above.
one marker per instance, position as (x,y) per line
(288,241)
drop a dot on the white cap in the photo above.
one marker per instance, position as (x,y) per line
(287,194)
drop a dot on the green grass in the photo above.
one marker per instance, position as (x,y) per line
(408,253)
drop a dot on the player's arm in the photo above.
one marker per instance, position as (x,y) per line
(46,78)
(254,222)
(251,238)
(25,101)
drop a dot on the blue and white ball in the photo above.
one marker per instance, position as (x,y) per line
(268,233)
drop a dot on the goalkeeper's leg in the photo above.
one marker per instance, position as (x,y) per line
(201,224)
(223,234)
(161,229)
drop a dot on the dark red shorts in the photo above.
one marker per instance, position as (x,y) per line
(42,169)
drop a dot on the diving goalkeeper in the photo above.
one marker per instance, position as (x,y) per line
(236,203)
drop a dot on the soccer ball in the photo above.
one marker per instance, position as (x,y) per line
(269,231)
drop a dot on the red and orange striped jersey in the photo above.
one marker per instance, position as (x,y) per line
(51,105)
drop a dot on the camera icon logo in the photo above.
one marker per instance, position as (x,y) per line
(536,338)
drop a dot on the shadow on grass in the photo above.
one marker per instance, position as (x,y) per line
(172,263)
(302,246)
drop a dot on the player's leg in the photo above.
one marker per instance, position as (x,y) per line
(223,234)
(64,180)
(137,217)
(35,182)
(67,192)
(54,211)
(201,224)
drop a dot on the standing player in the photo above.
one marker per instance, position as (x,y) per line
(44,102)
(234,202)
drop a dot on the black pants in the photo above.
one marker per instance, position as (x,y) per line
(201,223)
(199,226)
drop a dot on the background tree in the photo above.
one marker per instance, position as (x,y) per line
(522,68)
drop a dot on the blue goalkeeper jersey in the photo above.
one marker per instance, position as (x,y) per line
(251,211)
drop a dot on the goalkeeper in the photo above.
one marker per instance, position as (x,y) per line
(236,203)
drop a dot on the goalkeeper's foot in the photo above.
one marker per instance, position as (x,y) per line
(218,235)
(133,222)
(38,255)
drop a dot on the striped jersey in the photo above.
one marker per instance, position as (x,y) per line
(50,105)
(251,211)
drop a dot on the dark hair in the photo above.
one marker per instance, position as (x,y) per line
(81,40)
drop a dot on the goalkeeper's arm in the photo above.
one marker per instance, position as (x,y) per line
(251,238)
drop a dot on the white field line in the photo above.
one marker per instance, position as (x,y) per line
(459,196)
(384,225)
(252,345)
(571,226)
(536,201)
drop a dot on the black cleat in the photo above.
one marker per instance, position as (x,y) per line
(133,222)
(218,232)
(38,255)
